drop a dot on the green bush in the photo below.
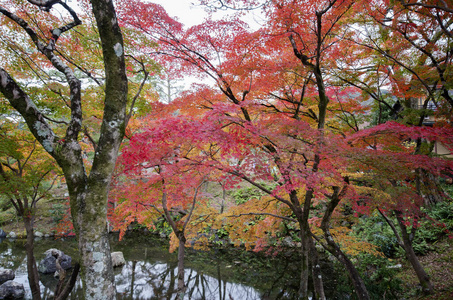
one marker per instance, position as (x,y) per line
(438,222)
(57,212)
(7,216)
(447,188)
(442,212)
(5,204)
(162,227)
(379,274)
(243,195)
(375,230)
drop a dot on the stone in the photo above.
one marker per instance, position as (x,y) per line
(397,266)
(38,234)
(12,290)
(66,262)
(320,248)
(2,233)
(6,274)
(288,242)
(118,259)
(48,264)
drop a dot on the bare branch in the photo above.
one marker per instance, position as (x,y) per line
(129,115)
(425,5)
(193,205)
(395,231)
(264,214)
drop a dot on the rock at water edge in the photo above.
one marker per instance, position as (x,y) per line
(118,259)
(6,274)
(12,290)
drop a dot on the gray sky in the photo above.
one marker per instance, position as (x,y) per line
(186,13)
(191,14)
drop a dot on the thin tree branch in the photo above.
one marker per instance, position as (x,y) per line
(264,214)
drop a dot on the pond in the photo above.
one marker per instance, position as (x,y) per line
(150,271)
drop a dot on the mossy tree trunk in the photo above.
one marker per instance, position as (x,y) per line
(88,194)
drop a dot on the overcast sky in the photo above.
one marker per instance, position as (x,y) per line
(190,14)
(186,13)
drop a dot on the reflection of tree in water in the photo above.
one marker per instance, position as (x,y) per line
(151,272)
(143,280)
(210,275)
(12,254)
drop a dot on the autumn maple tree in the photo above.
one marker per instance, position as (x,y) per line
(283,109)
(391,185)
(153,183)
(402,60)
(27,174)
(200,49)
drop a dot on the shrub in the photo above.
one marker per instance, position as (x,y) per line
(57,211)
(242,195)
(7,216)
(375,230)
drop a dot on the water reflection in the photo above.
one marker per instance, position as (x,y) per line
(144,280)
(150,272)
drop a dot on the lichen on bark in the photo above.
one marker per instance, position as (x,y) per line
(88,193)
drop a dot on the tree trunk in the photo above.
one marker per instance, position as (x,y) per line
(181,284)
(431,191)
(334,249)
(318,283)
(309,257)
(359,286)
(303,284)
(88,194)
(91,215)
(405,242)
(311,252)
(32,270)
(134,266)
(64,293)
(423,278)
(96,262)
